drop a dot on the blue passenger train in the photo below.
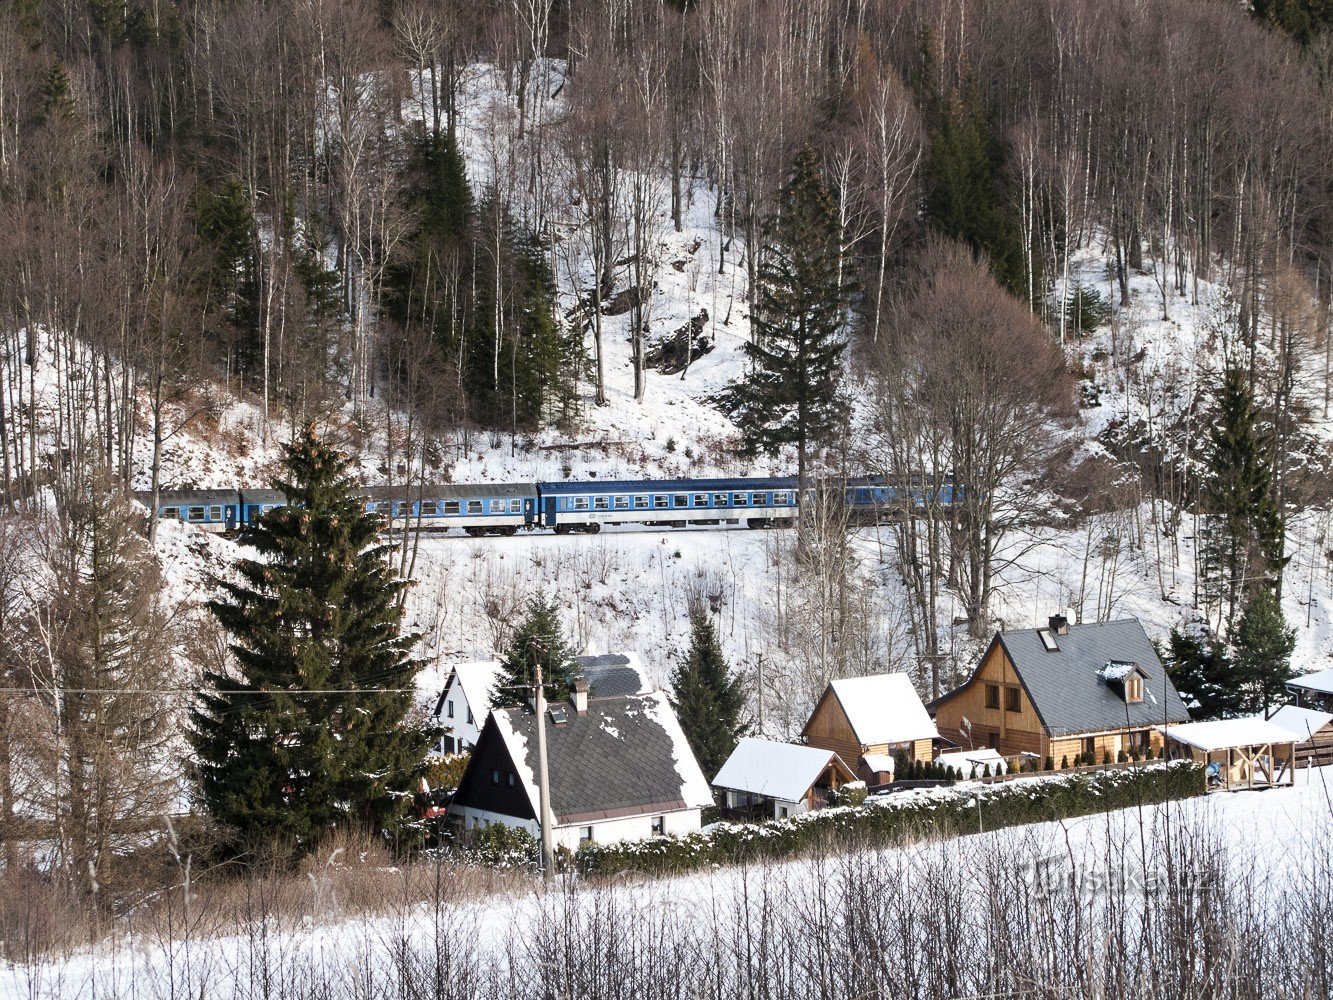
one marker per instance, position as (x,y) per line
(565,507)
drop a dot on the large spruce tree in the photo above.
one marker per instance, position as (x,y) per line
(310,732)
(708,698)
(1244,537)
(789,395)
(1264,644)
(538,639)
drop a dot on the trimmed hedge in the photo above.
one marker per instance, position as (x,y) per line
(901,818)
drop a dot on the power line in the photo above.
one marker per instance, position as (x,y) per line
(209,691)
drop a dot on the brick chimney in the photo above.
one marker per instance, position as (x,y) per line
(1059,625)
(578,695)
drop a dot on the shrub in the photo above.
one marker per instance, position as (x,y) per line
(1064,763)
(900,818)
(1050,763)
(851,794)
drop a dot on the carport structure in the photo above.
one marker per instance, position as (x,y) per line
(1237,753)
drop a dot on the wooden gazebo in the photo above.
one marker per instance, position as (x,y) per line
(1237,753)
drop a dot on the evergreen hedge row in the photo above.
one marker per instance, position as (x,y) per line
(901,818)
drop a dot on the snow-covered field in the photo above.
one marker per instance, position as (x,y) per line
(1273,840)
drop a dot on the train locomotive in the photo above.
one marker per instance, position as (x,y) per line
(567,507)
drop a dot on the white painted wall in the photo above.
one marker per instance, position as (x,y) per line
(606,831)
(466,722)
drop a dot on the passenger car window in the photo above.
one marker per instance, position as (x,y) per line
(452,507)
(474,506)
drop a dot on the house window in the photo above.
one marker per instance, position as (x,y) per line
(449,708)
(993,740)
(1011,699)
(495,778)
(659,826)
(509,779)
(992,696)
(1133,688)
(1090,747)
(469,716)
(783,812)
(585,835)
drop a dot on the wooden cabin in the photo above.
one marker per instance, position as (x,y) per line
(1062,692)
(1313,730)
(1313,690)
(867,720)
(763,779)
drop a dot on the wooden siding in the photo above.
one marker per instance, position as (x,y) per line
(1011,732)
(830,729)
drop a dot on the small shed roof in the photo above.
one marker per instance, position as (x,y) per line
(880,763)
(1304,722)
(972,762)
(775,770)
(884,708)
(1320,681)
(1226,734)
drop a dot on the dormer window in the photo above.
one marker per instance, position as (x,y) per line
(1126,677)
(1134,688)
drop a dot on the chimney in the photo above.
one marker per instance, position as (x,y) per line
(578,695)
(1059,625)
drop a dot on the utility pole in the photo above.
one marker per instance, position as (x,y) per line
(760,685)
(543,782)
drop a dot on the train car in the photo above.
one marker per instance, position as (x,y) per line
(256,503)
(484,509)
(586,506)
(216,511)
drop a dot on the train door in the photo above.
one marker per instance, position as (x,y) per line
(529,511)
(233,516)
(549,520)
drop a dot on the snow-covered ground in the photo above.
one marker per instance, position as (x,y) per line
(1275,838)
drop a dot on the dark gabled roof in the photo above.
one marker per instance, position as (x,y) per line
(625,756)
(612,675)
(1066,685)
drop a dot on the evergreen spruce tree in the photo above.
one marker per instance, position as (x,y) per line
(315,625)
(1202,675)
(539,639)
(707,697)
(790,394)
(1245,535)
(1264,644)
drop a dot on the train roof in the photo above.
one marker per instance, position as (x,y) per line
(263,496)
(145,497)
(668,485)
(473,491)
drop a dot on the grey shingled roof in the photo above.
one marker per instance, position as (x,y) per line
(617,759)
(610,675)
(1067,690)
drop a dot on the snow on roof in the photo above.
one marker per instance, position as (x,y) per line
(879,762)
(884,708)
(477,680)
(970,763)
(1304,722)
(1118,670)
(694,787)
(1320,680)
(1227,733)
(776,770)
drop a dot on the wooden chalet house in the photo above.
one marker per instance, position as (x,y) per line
(620,768)
(763,779)
(867,720)
(1064,691)
(1313,730)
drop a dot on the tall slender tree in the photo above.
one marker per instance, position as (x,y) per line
(1264,644)
(707,696)
(311,731)
(790,394)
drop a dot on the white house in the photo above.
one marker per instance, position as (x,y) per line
(465,700)
(766,779)
(620,769)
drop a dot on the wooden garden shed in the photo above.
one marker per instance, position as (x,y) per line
(1238,753)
